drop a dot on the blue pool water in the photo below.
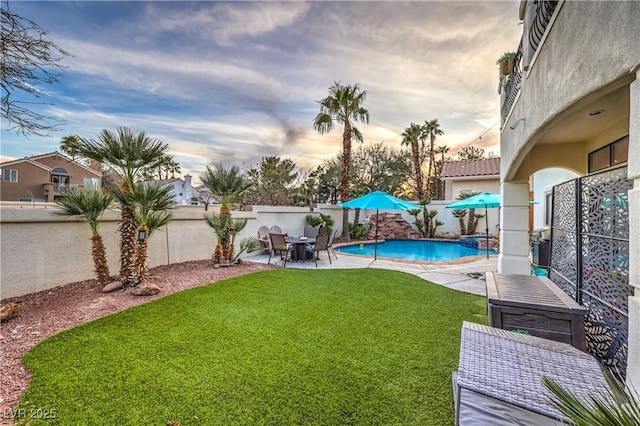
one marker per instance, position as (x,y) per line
(421,250)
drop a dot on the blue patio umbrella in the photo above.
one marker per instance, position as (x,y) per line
(487,200)
(378,200)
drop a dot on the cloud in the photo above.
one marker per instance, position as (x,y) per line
(236,81)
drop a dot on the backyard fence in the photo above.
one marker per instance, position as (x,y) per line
(590,258)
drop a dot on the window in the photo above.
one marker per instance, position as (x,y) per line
(60,171)
(609,155)
(91,183)
(9,175)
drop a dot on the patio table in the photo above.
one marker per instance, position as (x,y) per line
(299,253)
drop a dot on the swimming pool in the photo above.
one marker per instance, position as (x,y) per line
(421,250)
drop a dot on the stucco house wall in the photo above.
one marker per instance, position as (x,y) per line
(589,56)
(31,178)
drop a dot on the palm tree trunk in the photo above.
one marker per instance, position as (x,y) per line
(99,255)
(344,184)
(142,262)
(471,226)
(431,155)
(127,231)
(415,151)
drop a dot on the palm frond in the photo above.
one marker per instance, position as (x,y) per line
(86,202)
(619,406)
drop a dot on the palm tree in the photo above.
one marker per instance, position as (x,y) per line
(228,184)
(151,204)
(69,145)
(89,203)
(412,136)
(431,129)
(442,150)
(128,155)
(343,105)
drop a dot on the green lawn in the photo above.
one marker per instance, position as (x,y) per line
(283,347)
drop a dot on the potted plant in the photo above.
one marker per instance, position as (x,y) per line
(506,62)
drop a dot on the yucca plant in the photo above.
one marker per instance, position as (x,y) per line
(460,214)
(619,406)
(89,203)
(417,222)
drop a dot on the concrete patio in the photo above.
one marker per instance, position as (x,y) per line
(449,275)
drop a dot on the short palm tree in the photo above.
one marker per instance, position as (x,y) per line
(128,155)
(151,204)
(343,105)
(228,184)
(431,129)
(89,203)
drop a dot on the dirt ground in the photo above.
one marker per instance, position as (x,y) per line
(48,312)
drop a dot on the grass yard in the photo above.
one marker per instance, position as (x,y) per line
(320,347)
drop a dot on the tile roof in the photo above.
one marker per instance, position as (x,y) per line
(465,168)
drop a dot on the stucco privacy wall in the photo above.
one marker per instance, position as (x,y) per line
(39,250)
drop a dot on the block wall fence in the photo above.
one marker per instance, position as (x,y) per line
(40,250)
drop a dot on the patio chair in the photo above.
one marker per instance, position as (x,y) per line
(279,246)
(263,236)
(310,231)
(275,229)
(322,244)
(330,245)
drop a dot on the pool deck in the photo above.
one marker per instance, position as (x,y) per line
(451,275)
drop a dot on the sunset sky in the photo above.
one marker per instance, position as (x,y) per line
(237,81)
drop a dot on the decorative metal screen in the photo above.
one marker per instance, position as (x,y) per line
(591,218)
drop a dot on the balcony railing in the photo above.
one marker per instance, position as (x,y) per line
(544,10)
(59,188)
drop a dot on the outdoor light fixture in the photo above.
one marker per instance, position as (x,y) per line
(516,123)
(142,235)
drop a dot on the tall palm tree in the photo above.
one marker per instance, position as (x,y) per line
(127,154)
(431,129)
(228,184)
(412,136)
(151,204)
(442,150)
(89,203)
(343,105)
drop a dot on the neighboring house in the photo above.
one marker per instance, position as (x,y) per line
(572,101)
(44,177)
(204,196)
(481,175)
(183,193)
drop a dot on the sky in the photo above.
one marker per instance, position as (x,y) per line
(238,81)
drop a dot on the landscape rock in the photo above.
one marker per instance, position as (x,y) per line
(8,311)
(145,290)
(112,286)
(391,226)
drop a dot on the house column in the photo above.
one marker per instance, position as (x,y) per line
(633,362)
(514,229)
